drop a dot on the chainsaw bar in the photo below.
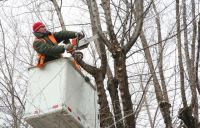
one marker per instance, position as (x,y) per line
(83,43)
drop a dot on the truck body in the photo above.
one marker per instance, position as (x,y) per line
(59,97)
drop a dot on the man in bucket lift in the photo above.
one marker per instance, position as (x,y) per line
(46,43)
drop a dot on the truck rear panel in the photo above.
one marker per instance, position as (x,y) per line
(59,97)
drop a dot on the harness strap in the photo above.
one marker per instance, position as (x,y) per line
(52,38)
(40,58)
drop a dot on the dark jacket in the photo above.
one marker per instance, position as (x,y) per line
(49,49)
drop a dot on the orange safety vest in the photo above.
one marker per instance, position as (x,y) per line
(41,57)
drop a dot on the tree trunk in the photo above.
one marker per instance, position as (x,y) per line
(180,61)
(185,114)
(194,33)
(197,59)
(111,83)
(14,114)
(164,106)
(120,70)
(113,91)
(160,57)
(189,63)
(106,118)
(59,14)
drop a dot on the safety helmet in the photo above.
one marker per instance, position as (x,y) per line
(37,25)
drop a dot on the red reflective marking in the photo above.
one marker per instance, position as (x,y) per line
(55,106)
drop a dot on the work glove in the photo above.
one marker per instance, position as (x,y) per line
(80,35)
(69,48)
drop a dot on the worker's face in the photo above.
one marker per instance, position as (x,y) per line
(42,29)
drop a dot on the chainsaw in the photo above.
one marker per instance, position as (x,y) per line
(83,43)
(79,44)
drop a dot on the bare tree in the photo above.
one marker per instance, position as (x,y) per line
(160,89)
(13,98)
(118,52)
(119,55)
(189,114)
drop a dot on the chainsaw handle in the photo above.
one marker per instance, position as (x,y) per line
(80,35)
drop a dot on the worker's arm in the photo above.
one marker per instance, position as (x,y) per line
(64,35)
(46,49)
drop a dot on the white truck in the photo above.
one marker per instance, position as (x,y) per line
(59,97)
